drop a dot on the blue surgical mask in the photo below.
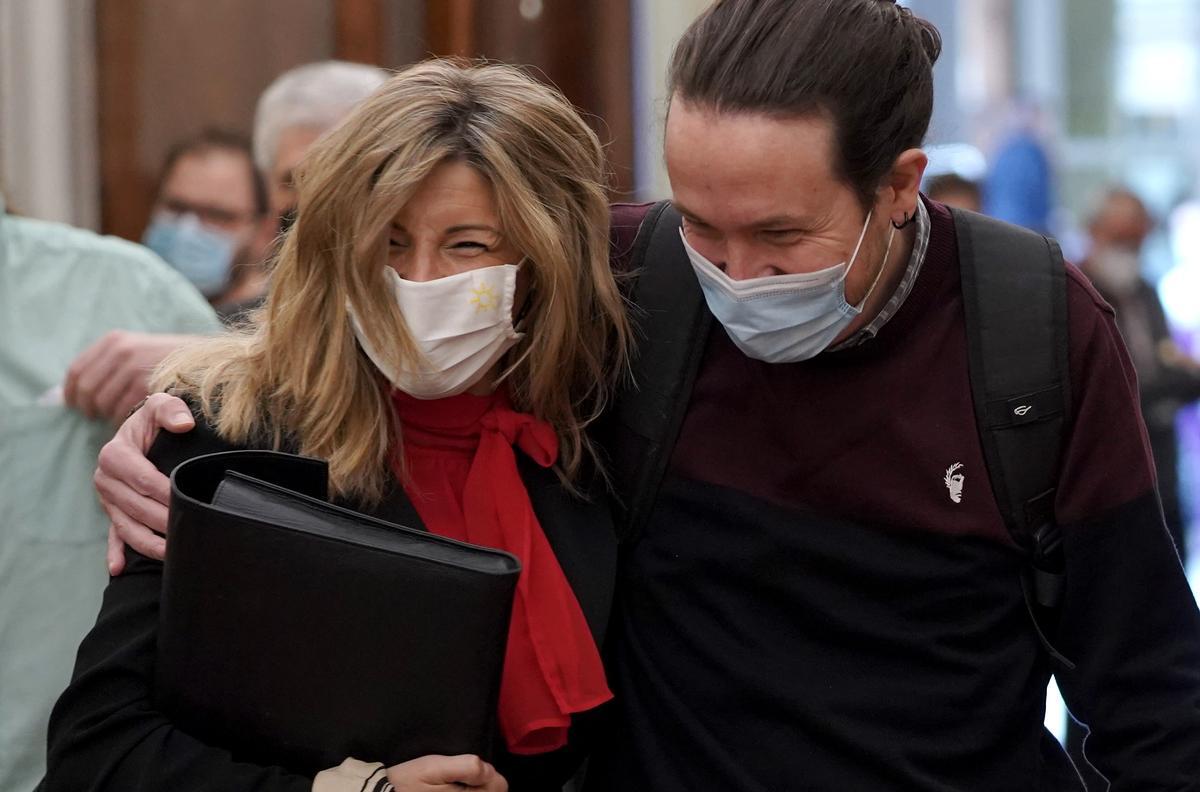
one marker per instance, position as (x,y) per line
(201,254)
(782,318)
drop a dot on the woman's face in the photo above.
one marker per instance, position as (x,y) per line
(450,225)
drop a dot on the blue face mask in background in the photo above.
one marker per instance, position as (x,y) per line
(782,318)
(202,254)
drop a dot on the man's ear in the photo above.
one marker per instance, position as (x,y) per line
(901,188)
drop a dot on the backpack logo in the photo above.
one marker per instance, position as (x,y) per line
(954,482)
(1023,410)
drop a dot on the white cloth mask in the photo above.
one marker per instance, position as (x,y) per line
(462,324)
(782,318)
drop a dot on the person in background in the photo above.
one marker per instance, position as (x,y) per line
(1168,378)
(109,377)
(208,217)
(1019,188)
(60,288)
(953,190)
(297,108)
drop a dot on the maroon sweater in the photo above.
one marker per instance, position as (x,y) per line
(809,608)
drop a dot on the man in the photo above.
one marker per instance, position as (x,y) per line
(297,108)
(60,288)
(824,594)
(1167,377)
(208,217)
(950,189)
(300,106)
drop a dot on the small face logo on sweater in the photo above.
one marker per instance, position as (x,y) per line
(954,482)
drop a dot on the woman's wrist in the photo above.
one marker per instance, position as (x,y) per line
(353,775)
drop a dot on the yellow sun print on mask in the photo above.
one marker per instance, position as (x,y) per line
(483,298)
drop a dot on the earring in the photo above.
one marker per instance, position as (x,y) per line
(908,220)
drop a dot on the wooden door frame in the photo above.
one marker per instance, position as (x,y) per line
(124,199)
(450,27)
(359,31)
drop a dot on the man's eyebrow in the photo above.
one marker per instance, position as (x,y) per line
(790,221)
(688,213)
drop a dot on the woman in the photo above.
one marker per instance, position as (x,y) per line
(444,295)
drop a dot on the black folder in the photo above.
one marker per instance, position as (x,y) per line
(293,632)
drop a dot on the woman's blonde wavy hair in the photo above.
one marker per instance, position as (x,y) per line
(295,374)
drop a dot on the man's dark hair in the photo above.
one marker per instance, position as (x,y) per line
(948,183)
(866,65)
(210,140)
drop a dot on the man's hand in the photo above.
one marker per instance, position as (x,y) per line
(111,375)
(446,774)
(132,491)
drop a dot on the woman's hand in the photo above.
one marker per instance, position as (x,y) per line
(446,774)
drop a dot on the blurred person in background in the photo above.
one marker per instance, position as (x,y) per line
(60,288)
(297,108)
(1168,378)
(210,217)
(953,190)
(1019,188)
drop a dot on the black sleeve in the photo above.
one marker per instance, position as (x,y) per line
(105,733)
(1130,625)
(1128,621)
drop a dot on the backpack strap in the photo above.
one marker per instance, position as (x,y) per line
(1015,301)
(668,307)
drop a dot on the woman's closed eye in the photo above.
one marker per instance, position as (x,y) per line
(470,246)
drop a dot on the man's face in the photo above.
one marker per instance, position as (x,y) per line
(959,199)
(1121,224)
(759,196)
(216,187)
(293,144)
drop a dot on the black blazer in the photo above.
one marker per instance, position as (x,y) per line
(106,735)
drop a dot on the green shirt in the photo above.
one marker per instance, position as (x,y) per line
(61,288)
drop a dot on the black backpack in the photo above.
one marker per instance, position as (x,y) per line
(1014,294)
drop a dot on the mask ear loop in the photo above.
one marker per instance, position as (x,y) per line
(878,275)
(887,252)
(858,246)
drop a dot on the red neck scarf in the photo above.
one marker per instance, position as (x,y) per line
(463,481)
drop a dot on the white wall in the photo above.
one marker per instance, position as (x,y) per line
(48,133)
